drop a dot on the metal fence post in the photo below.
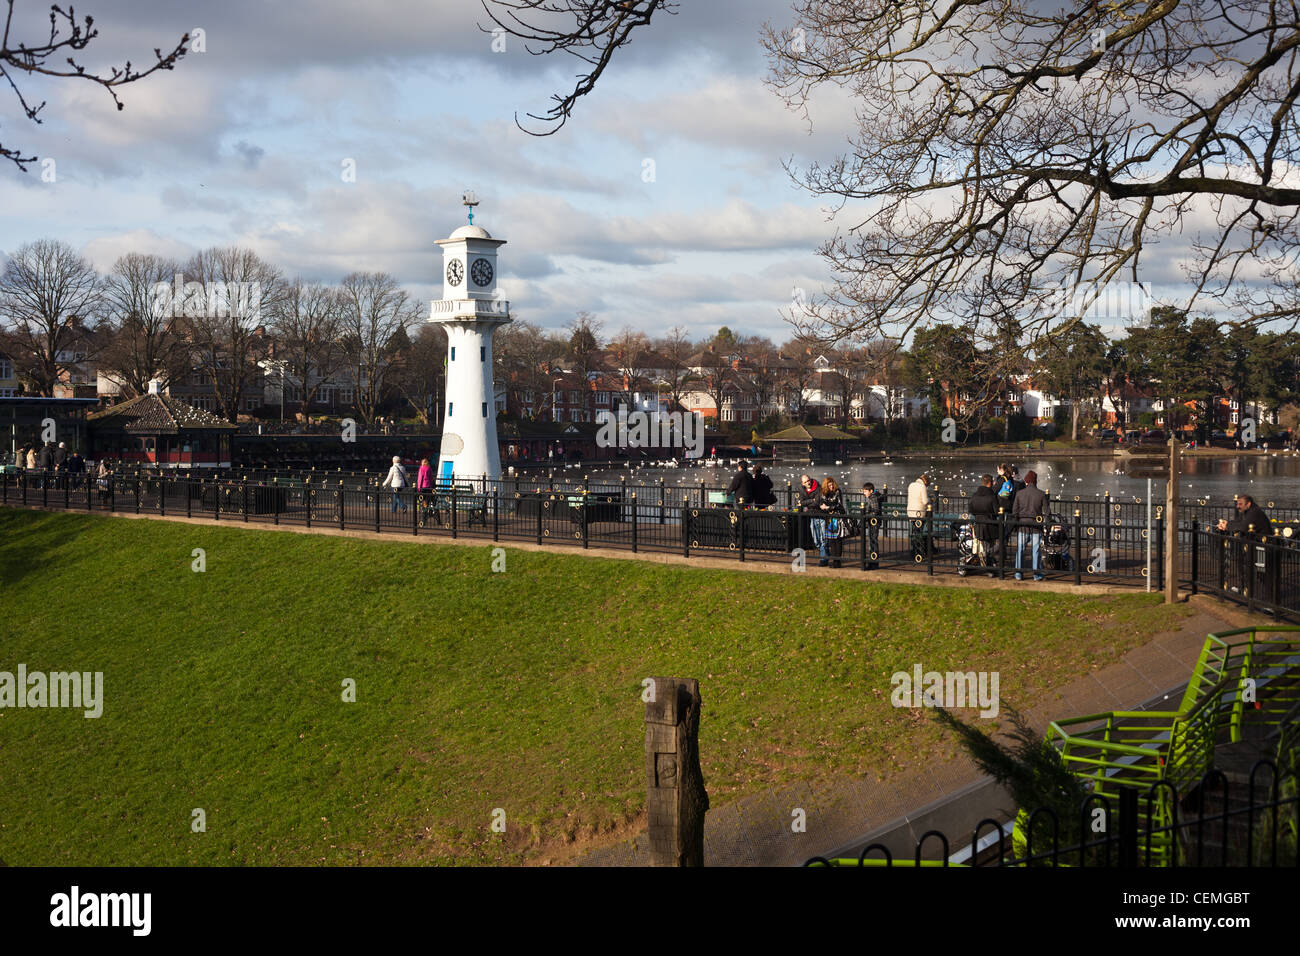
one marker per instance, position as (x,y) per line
(863,548)
(453,509)
(929,539)
(378,495)
(1078,546)
(496,514)
(137,493)
(67,484)
(1196,551)
(1128,827)
(243,497)
(585,513)
(308,499)
(341,501)
(740,521)
(540,503)
(162,496)
(45,490)
(1160,553)
(636,521)
(686,526)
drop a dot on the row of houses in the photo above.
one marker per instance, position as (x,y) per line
(740,391)
(733,390)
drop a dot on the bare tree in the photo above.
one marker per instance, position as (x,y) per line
(47,292)
(1020,148)
(676,347)
(630,353)
(526,358)
(229,295)
(591,30)
(67,35)
(307,321)
(422,374)
(584,346)
(147,338)
(375,309)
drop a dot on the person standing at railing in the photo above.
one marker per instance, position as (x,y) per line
(832,507)
(1029,509)
(918,501)
(76,469)
(45,462)
(764,496)
(397,480)
(1251,519)
(872,507)
(809,503)
(741,489)
(983,509)
(103,478)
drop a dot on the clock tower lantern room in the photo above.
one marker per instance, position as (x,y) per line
(470,310)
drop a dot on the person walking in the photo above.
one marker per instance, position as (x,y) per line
(983,510)
(741,489)
(764,496)
(873,512)
(32,459)
(810,503)
(1029,511)
(397,480)
(918,502)
(832,508)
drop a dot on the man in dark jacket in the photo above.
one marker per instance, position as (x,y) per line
(741,488)
(1029,511)
(763,494)
(984,513)
(1250,519)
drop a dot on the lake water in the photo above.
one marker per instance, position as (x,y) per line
(1270,477)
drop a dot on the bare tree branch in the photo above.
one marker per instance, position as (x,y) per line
(591,30)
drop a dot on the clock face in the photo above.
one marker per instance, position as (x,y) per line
(481,272)
(455,272)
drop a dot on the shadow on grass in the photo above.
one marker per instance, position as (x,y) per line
(31,540)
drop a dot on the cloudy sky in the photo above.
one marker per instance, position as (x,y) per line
(662,202)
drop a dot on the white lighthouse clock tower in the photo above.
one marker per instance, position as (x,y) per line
(470,311)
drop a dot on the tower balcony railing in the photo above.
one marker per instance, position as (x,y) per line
(469,309)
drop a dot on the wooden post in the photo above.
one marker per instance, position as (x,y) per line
(1171,525)
(676,800)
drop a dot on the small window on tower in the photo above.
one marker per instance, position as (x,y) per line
(485,409)
(482,353)
(451,407)
(453,353)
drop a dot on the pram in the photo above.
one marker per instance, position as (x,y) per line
(1056,545)
(963,533)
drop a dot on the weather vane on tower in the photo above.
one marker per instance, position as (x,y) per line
(470,199)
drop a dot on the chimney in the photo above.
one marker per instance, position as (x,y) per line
(155,387)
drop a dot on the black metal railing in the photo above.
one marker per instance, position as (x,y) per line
(1261,572)
(1215,823)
